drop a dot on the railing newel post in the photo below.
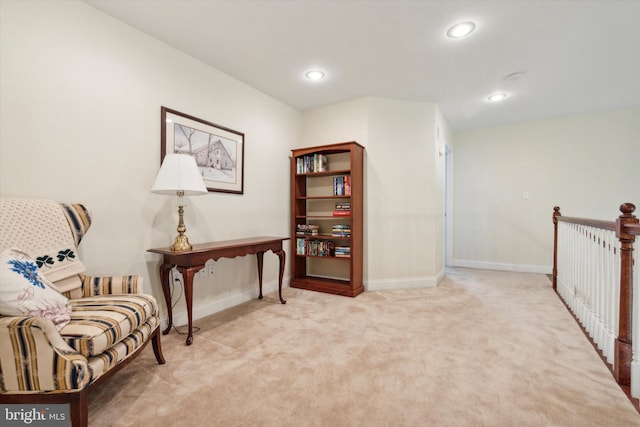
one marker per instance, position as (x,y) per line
(623,343)
(556,214)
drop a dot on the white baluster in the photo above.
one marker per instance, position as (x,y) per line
(610,284)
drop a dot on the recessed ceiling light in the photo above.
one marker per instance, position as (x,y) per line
(460,30)
(497,97)
(314,75)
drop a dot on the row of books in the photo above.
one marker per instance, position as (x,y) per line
(307,229)
(342,185)
(321,248)
(315,247)
(337,230)
(312,163)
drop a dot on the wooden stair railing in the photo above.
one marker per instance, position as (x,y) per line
(626,227)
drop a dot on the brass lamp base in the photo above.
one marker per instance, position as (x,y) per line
(181,243)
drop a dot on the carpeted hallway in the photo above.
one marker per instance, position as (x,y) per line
(484,348)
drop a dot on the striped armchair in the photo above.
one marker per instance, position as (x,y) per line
(110,321)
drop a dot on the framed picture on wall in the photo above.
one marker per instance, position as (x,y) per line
(218,151)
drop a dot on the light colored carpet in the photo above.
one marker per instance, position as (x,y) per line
(484,348)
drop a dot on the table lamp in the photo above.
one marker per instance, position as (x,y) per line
(179,174)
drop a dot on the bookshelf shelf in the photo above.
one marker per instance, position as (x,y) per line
(322,197)
(337,258)
(326,173)
(324,237)
(327,197)
(338,218)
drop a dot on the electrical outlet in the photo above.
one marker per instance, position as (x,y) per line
(207,271)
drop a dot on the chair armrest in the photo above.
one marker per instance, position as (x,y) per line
(111,285)
(34,357)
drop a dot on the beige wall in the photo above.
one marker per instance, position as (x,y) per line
(342,122)
(586,164)
(80,122)
(404,184)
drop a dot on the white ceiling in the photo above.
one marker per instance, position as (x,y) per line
(577,56)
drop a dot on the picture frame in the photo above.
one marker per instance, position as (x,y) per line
(218,150)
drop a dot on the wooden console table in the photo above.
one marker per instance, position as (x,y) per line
(190,262)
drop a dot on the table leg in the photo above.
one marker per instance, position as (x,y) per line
(260,257)
(166,290)
(281,256)
(187,275)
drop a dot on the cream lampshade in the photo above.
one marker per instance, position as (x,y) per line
(179,174)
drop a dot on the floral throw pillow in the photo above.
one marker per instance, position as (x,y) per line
(24,291)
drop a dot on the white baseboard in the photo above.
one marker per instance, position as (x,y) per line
(542,269)
(204,310)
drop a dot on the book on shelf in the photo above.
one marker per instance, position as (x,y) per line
(341,230)
(342,185)
(342,252)
(342,209)
(307,229)
(300,246)
(312,163)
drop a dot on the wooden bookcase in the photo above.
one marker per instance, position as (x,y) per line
(325,180)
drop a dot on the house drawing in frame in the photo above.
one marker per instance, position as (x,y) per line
(214,155)
(218,151)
